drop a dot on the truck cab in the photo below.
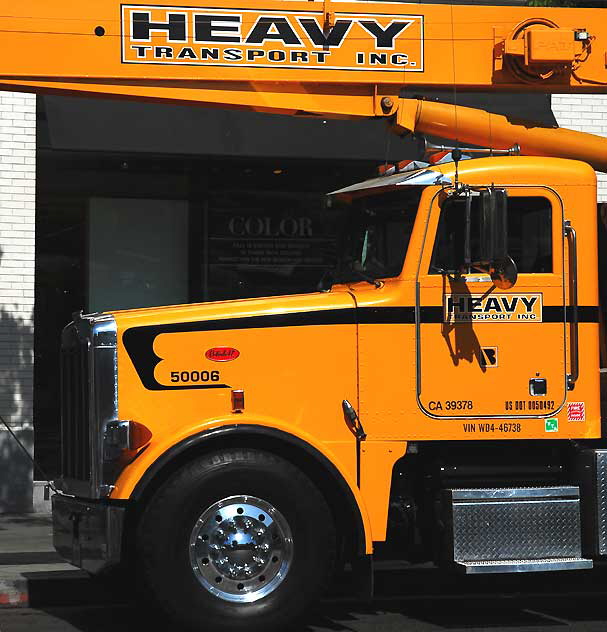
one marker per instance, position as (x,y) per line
(443,381)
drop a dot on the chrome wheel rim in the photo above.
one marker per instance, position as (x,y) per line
(241,549)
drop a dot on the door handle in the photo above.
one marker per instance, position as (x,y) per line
(575,355)
(479,278)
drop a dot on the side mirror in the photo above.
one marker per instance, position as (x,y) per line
(494,238)
(493,225)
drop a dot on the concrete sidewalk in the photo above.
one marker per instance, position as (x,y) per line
(31,572)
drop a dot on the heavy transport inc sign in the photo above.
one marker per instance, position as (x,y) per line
(271,39)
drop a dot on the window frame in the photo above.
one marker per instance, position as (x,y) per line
(548,279)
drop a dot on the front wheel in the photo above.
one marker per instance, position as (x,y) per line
(237,539)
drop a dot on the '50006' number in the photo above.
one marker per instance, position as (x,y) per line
(194,376)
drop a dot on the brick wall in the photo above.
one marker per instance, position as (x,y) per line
(17,236)
(587,113)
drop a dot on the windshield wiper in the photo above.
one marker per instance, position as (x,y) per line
(329,277)
(358,268)
(326,280)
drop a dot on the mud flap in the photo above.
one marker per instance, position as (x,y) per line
(362,568)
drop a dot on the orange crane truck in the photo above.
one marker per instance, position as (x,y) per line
(440,391)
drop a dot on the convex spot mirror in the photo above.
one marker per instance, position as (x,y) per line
(503,273)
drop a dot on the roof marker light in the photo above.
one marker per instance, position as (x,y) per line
(386,170)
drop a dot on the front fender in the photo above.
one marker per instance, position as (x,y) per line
(151,462)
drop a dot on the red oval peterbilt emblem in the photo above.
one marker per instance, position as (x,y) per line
(222,354)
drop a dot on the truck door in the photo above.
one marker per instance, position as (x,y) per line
(483,351)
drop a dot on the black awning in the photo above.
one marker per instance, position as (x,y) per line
(103,125)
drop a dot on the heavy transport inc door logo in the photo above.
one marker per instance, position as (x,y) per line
(463,308)
(260,38)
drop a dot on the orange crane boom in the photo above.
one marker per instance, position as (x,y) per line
(332,59)
(291,56)
(477,127)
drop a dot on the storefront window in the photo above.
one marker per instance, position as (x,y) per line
(120,232)
(263,243)
(137,253)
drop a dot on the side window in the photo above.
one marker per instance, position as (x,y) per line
(529,235)
(449,247)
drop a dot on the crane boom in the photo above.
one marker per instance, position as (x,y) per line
(318,57)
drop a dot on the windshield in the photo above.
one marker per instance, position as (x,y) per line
(376,235)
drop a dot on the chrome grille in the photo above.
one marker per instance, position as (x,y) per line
(75,405)
(89,400)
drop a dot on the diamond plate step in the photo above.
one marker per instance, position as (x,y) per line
(512,526)
(524,566)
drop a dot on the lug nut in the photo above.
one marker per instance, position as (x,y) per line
(387,103)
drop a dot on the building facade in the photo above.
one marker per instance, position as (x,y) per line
(585,113)
(17,289)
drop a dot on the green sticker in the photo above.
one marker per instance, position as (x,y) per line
(552,425)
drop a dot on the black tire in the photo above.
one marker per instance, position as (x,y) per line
(164,531)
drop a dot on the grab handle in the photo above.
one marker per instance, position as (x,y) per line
(575,355)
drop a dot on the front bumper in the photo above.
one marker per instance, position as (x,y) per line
(88,534)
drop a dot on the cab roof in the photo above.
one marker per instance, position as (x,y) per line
(502,171)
